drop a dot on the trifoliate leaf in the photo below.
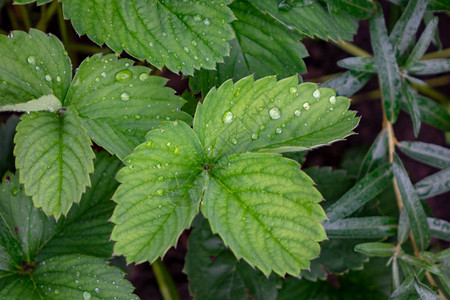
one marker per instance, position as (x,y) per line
(251,207)
(32,65)
(119,103)
(183,35)
(54,157)
(214,273)
(266,115)
(263,46)
(312,19)
(155,202)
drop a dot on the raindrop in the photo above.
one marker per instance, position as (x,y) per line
(137,117)
(306,106)
(124,76)
(97,290)
(332,100)
(207,22)
(56,291)
(14,191)
(197,18)
(274,113)
(103,74)
(31,60)
(168,144)
(151,44)
(293,90)
(58,78)
(278,130)
(176,150)
(316,94)
(194,43)
(254,136)
(158,166)
(159,192)
(48,77)
(234,141)
(186,49)
(227,117)
(262,127)
(125,96)
(87,296)
(143,76)
(297,113)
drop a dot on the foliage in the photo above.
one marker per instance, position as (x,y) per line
(224,157)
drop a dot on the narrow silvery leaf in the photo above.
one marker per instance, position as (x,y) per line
(403,227)
(413,107)
(430,154)
(361,64)
(436,184)
(422,44)
(348,83)
(362,227)
(439,228)
(376,155)
(425,292)
(430,67)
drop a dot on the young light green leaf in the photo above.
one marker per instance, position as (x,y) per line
(430,154)
(119,103)
(406,27)
(359,8)
(312,19)
(413,206)
(388,70)
(7,131)
(362,227)
(214,273)
(433,185)
(376,155)
(422,44)
(361,64)
(32,65)
(376,249)
(47,102)
(348,83)
(266,115)
(157,198)
(439,228)
(170,33)
(433,113)
(425,292)
(413,107)
(363,191)
(57,172)
(263,46)
(430,67)
(70,277)
(251,207)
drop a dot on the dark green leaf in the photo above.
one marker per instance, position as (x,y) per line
(388,70)
(406,27)
(361,64)
(406,288)
(430,154)
(365,190)
(433,185)
(376,249)
(443,256)
(422,44)
(363,227)
(214,272)
(413,206)
(413,107)
(7,132)
(430,67)
(348,83)
(439,228)
(376,155)
(403,227)
(359,8)
(263,46)
(431,113)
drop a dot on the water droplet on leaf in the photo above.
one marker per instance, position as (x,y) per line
(297,113)
(227,117)
(87,296)
(306,106)
(31,60)
(274,113)
(316,94)
(332,99)
(293,90)
(124,76)
(125,96)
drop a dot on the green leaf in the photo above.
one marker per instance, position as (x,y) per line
(118,103)
(47,102)
(7,131)
(413,206)
(70,277)
(422,44)
(256,202)
(443,256)
(430,67)
(406,288)
(439,228)
(363,227)
(266,115)
(433,113)
(403,227)
(388,70)
(312,19)
(362,192)
(362,9)
(348,83)
(214,273)
(155,202)
(406,27)
(433,185)
(157,31)
(413,107)
(376,249)
(32,65)
(425,292)
(430,154)
(263,46)
(57,172)
(362,64)
(376,155)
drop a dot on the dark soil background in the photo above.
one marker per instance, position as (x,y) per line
(322,61)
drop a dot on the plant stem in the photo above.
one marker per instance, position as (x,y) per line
(88,49)
(165,282)
(46,15)
(25,17)
(352,49)
(12,17)
(64,33)
(438,54)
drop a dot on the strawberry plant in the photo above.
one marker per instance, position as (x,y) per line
(104,164)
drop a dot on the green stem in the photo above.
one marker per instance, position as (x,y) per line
(64,33)
(165,282)
(88,49)
(352,49)
(438,54)
(25,17)
(12,18)
(46,15)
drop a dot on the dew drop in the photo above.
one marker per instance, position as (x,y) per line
(97,290)
(124,76)
(48,77)
(306,106)
(176,150)
(87,296)
(278,130)
(186,49)
(274,113)
(158,166)
(168,144)
(56,291)
(143,76)
(316,94)
(227,117)
(332,100)
(297,113)
(58,79)
(293,90)
(262,127)
(137,117)
(254,136)
(159,192)
(31,60)
(125,96)
(207,22)
(103,74)
(194,43)
(234,141)
(14,191)
(151,44)
(197,18)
